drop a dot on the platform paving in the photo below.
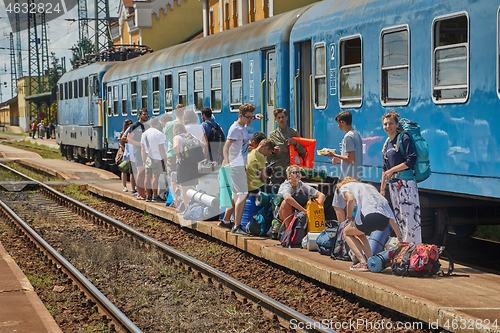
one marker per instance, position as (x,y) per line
(21,310)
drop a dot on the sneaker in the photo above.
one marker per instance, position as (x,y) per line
(148,198)
(360,267)
(125,189)
(226,225)
(134,193)
(157,199)
(238,231)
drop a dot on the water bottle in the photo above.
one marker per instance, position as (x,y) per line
(380,261)
(354,212)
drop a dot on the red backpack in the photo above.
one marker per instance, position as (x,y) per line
(419,260)
(296,230)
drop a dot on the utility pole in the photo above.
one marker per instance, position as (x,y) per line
(18,42)
(13,76)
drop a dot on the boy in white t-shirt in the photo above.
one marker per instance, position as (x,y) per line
(235,155)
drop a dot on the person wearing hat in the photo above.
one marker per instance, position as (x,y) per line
(257,172)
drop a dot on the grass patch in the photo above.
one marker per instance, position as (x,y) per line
(43,151)
(35,174)
(75,191)
(491,232)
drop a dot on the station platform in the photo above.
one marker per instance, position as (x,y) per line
(458,303)
(21,310)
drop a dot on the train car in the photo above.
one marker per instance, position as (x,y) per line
(434,62)
(81,129)
(248,64)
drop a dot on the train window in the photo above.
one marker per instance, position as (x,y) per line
(75,86)
(198,89)
(236,85)
(168,93)
(95,85)
(320,75)
(86,86)
(252,11)
(183,88)
(133,95)
(115,100)
(66,95)
(156,95)
(70,89)
(211,22)
(109,101)
(216,88)
(144,94)
(226,16)
(80,88)
(351,72)
(395,78)
(450,78)
(271,80)
(61,91)
(124,100)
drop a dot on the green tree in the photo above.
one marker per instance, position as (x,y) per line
(56,70)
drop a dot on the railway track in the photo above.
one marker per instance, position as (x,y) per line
(66,205)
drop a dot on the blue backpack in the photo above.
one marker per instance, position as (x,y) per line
(261,223)
(422,168)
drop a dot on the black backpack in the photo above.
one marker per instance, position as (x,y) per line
(192,150)
(216,139)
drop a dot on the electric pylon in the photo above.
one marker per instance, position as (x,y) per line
(18,45)
(13,76)
(83,22)
(34,85)
(102,22)
(45,55)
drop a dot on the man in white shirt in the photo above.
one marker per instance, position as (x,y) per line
(235,154)
(154,155)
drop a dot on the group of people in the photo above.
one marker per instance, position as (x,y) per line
(42,129)
(373,210)
(159,148)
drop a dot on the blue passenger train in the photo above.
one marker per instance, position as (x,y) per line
(434,62)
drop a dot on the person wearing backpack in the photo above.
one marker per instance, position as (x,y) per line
(189,151)
(367,211)
(215,135)
(398,174)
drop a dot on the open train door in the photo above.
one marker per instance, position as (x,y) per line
(302,89)
(93,103)
(269,90)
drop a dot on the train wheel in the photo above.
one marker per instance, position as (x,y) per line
(434,225)
(98,160)
(464,230)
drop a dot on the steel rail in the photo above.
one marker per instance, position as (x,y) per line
(119,318)
(302,322)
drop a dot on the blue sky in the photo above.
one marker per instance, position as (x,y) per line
(62,36)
